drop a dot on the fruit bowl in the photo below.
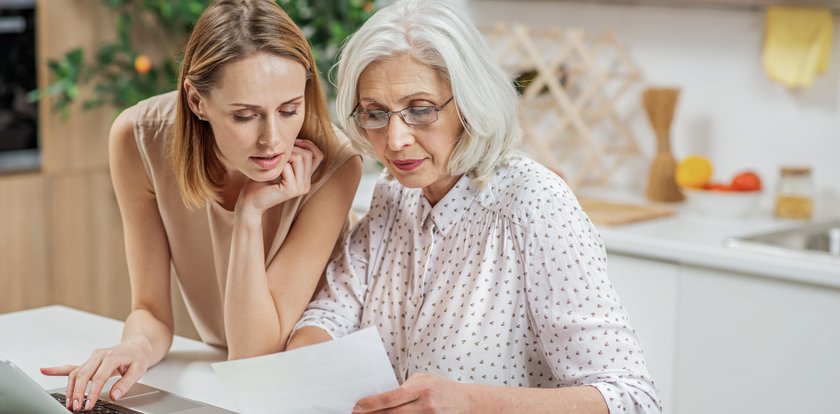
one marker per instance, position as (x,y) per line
(721,203)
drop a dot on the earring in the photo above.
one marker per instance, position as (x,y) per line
(200,118)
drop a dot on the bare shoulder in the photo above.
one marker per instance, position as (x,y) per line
(127,168)
(347,176)
(121,137)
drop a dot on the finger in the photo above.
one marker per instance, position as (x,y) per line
(81,377)
(68,393)
(385,400)
(129,378)
(100,377)
(317,154)
(77,391)
(286,176)
(308,164)
(301,177)
(316,161)
(296,160)
(58,371)
(304,143)
(95,388)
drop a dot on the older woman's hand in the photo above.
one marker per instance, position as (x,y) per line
(421,393)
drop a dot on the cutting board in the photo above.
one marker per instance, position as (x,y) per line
(610,213)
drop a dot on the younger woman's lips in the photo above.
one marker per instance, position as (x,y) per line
(407,165)
(267,163)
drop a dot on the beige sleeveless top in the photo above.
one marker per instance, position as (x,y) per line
(199,239)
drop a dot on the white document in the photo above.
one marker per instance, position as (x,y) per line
(329,377)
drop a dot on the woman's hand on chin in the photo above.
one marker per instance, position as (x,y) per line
(295,180)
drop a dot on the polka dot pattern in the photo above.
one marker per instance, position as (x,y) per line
(502,284)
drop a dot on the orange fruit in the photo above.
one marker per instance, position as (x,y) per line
(142,64)
(746,181)
(694,171)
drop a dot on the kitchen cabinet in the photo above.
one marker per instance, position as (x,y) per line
(24,272)
(648,291)
(719,341)
(750,344)
(87,245)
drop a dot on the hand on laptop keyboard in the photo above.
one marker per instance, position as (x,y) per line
(99,408)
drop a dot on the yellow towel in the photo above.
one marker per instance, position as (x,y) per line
(797,44)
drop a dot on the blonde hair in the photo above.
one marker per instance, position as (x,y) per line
(228,31)
(438,35)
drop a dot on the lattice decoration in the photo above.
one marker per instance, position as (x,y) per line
(578,92)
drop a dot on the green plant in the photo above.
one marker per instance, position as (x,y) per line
(122,75)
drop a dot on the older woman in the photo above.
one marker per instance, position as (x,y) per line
(483,276)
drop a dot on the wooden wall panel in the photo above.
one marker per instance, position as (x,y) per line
(80,141)
(89,266)
(24,264)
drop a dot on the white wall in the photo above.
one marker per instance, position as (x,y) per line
(728,109)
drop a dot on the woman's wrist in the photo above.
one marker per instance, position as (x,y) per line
(247,215)
(475,396)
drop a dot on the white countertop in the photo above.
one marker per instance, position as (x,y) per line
(699,241)
(689,238)
(57,335)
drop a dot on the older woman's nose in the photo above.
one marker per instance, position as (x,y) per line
(400,134)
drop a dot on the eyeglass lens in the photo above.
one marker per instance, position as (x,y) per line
(413,115)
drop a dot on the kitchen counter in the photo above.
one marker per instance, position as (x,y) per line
(699,240)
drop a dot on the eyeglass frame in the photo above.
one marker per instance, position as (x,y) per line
(388,114)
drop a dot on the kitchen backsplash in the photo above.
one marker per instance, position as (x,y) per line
(729,110)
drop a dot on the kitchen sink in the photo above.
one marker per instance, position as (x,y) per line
(817,241)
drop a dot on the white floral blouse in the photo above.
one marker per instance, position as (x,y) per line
(502,284)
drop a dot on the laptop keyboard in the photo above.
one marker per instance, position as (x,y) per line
(98,408)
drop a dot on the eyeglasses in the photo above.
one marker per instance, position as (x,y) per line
(413,115)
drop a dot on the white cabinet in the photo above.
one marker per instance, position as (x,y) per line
(755,345)
(721,342)
(648,290)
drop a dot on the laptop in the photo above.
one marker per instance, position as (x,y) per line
(21,394)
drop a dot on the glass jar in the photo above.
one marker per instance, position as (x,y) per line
(795,193)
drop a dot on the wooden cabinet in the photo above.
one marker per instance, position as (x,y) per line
(87,242)
(717,341)
(24,253)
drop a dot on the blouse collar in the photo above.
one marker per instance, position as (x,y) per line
(451,207)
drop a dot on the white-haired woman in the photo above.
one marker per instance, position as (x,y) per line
(483,276)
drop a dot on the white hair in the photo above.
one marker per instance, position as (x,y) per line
(440,36)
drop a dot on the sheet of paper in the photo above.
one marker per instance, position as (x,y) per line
(325,378)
